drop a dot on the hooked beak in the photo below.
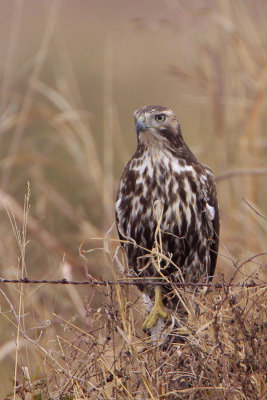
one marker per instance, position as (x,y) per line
(141,124)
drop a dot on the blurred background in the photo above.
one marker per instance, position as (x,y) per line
(72,73)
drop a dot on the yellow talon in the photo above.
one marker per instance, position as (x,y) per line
(158,311)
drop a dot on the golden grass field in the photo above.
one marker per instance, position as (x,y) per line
(72,74)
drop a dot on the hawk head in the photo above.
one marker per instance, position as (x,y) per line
(155,124)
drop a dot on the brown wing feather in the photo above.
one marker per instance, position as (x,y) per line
(212,196)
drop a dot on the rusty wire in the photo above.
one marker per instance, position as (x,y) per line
(134,282)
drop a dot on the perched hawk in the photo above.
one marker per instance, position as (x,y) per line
(164,186)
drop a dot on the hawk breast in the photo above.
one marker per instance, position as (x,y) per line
(160,177)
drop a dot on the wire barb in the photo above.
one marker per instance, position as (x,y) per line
(134,282)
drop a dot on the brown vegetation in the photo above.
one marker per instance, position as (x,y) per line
(71,76)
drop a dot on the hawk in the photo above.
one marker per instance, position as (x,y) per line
(166,200)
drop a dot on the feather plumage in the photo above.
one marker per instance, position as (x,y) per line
(164,175)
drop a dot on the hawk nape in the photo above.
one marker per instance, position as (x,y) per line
(163,171)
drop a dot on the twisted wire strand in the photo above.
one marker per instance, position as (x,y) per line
(133,282)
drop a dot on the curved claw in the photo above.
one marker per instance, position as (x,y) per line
(158,311)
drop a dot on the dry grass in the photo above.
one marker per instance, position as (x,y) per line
(220,357)
(213,351)
(209,64)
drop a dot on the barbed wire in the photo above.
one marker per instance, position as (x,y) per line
(134,282)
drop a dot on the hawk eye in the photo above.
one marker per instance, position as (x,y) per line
(160,117)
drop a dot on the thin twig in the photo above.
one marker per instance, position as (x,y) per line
(257,212)
(35,342)
(48,241)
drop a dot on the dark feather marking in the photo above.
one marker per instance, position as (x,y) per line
(191,248)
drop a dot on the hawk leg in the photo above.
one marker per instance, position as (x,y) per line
(158,311)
